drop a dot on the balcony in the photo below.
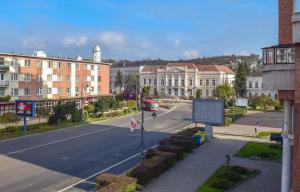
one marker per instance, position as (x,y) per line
(4,83)
(278,67)
(4,68)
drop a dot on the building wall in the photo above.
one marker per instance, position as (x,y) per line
(285,21)
(55,77)
(259,90)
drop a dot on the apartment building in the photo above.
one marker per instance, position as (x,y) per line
(183,79)
(124,70)
(254,86)
(281,72)
(40,77)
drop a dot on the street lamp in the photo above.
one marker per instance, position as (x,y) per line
(82,104)
(142,124)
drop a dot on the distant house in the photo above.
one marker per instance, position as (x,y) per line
(254,86)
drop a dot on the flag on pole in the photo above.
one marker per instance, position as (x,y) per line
(133,124)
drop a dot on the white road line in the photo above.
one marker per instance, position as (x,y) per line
(104,170)
(71,138)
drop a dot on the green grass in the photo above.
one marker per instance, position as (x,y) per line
(225,178)
(44,127)
(262,151)
(265,134)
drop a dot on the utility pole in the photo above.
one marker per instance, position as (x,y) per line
(142,125)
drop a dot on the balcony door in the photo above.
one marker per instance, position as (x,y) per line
(1,76)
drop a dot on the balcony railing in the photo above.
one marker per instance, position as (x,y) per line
(281,54)
(4,83)
(4,68)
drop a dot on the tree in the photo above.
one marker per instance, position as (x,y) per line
(8,118)
(240,79)
(198,94)
(146,91)
(131,83)
(42,112)
(224,91)
(119,80)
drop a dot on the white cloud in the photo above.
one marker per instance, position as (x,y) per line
(145,45)
(190,54)
(33,43)
(112,39)
(244,53)
(177,42)
(73,41)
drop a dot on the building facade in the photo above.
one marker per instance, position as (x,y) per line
(40,77)
(254,86)
(183,79)
(281,72)
(124,70)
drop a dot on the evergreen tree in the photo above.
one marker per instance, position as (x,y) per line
(131,83)
(119,80)
(240,79)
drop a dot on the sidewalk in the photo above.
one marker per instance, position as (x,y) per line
(188,174)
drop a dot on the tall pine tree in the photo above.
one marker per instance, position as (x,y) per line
(240,79)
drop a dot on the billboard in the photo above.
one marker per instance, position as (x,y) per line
(27,107)
(208,111)
(241,102)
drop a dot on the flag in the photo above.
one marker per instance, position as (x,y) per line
(133,124)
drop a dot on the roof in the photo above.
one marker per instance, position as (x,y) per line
(52,58)
(200,67)
(256,74)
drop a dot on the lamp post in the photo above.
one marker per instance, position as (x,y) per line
(82,104)
(142,124)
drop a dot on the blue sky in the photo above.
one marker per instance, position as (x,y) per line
(137,29)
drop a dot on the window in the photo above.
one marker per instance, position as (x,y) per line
(169,91)
(296,6)
(250,84)
(170,82)
(50,64)
(27,63)
(213,82)
(191,82)
(59,78)
(291,55)
(1,76)
(155,81)
(59,90)
(256,85)
(207,82)
(49,77)
(59,65)
(27,77)
(182,82)
(68,90)
(281,55)
(77,89)
(14,92)
(162,82)
(14,76)
(250,94)
(99,78)
(26,91)
(191,92)
(39,78)
(150,81)
(92,89)
(92,67)
(85,78)
(145,81)
(207,92)
(40,64)
(77,65)
(14,62)
(2,92)
(85,66)
(86,89)
(176,82)
(201,82)
(69,77)
(92,78)
(69,65)
(39,91)
(99,67)
(182,92)
(49,91)
(270,54)
(77,78)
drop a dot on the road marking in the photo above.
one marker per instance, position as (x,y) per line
(104,170)
(75,137)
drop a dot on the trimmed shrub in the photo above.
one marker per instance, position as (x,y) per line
(77,116)
(179,151)
(53,119)
(188,132)
(168,159)
(108,182)
(13,129)
(228,121)
(189,145)
(230,175)
(221,183)
(240,170)
(150,153)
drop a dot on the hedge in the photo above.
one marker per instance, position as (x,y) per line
(228,121)
(179,151)
(153,167)
(108,182)
(186,144)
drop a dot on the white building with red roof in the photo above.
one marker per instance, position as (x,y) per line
(183,79)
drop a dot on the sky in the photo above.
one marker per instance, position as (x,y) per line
(138,29)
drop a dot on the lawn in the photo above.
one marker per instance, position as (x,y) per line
(261,151)
(226,177)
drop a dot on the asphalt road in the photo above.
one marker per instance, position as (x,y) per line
(69,159)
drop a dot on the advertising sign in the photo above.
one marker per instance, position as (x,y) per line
(208,111)
(27,107)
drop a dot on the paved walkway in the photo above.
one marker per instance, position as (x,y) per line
(267,121)
(188,174)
